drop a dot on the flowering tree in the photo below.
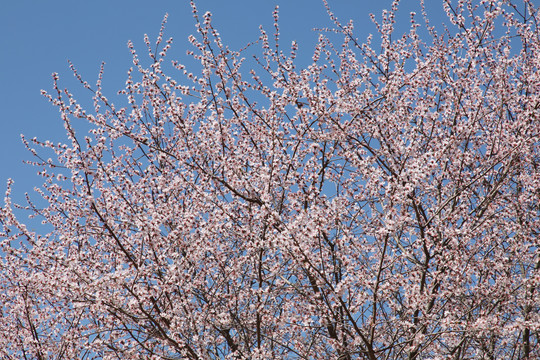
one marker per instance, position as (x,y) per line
(381,203)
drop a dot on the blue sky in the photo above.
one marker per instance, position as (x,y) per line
(38,37)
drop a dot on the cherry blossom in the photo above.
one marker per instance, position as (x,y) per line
(380,203)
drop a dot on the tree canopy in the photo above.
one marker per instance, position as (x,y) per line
(380,203)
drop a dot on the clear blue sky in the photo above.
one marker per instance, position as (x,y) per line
(38,37)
